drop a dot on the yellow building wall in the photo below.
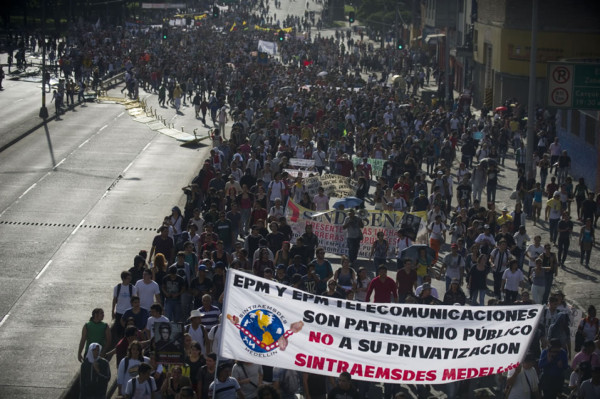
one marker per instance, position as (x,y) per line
(510,48)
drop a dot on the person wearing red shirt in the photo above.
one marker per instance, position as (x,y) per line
(383,286)
(406,280)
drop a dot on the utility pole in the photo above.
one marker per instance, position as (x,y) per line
(43,110)
(447,68)
(529,166)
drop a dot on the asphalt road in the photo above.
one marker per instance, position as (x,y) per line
(80,197)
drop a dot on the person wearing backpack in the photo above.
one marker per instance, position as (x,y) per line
(286,382)
(589,326)
(122,294)
(143,386)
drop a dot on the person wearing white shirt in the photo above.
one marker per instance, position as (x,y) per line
(522,381)
(534,250)
(511,278)
(402,242)
(148,290)
(156,316)
(321,200)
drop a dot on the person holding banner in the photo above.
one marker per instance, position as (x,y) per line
(225,386)
(522,381)
(353,226)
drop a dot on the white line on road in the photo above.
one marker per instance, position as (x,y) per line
(43,270)
(4,319)
(20,99)
(128,166)
(29,189)
(60,163)
(82,144)
(102,128)
(121,114)
(146,146)
(78,226)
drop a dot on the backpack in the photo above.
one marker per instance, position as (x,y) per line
(290,382)
(130,290)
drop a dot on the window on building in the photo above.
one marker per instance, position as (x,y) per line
(575,123)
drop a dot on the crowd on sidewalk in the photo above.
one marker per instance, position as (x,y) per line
(436,160)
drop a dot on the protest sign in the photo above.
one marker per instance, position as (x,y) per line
(376,164)
(295,172)
(332,237)
(335,186)
(302,163)
(277,325)
(168,342)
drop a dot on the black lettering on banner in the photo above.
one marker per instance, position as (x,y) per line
(346,343)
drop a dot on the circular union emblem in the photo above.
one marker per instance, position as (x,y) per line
(260,329)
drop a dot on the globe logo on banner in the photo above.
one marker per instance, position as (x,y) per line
(260,330)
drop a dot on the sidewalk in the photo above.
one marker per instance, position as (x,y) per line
(574,280)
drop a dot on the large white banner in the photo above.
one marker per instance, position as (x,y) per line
(273,324)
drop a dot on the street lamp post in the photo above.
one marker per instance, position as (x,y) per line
(43,109)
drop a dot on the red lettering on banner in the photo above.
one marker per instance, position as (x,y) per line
(369,371)
(342,366)
(466,373)
(357,370)
(326,339)
(382,373)
(431,375)
(300,359)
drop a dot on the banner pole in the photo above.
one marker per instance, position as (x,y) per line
(220,331)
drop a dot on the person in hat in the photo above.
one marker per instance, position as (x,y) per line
(553,212)
(421,203)
(505,217)
(455,294)
(197,330)
(426,297)
(522,381)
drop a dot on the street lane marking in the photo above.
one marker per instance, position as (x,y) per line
(102,128)
(20,99)
(121,114)
(78,226)
(82,144)
(146,146)
(43,270)
(58,164)
(4,319)
(29,189)
(128,166)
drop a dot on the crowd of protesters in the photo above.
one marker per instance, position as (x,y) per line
(437,160)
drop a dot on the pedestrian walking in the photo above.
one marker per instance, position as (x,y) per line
(587,239)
